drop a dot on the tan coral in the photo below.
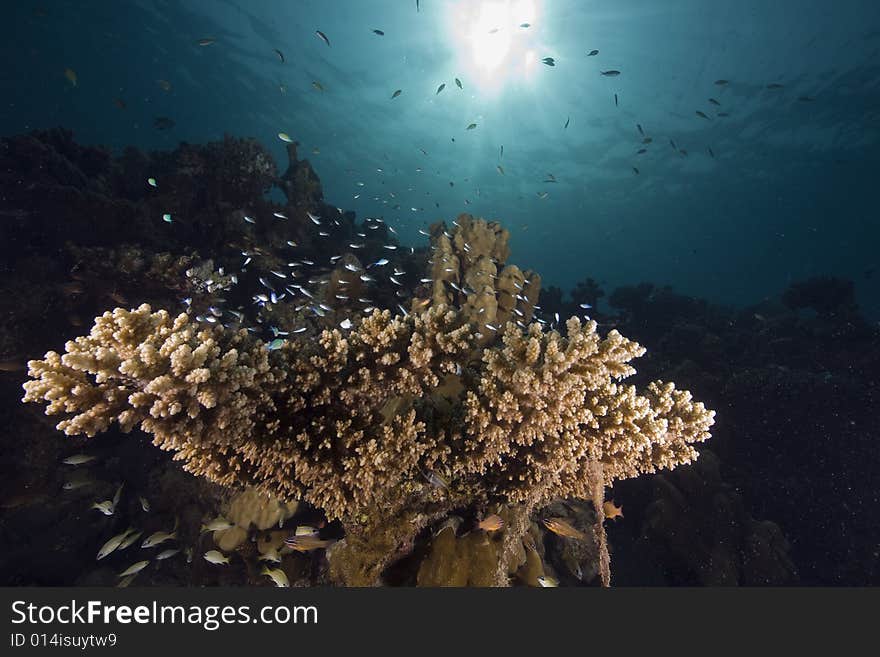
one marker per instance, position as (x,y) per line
(548,407)
(339,424)
(198,390)
(397,416)
(465,274)
(252,507)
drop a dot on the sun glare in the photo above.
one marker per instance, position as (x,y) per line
(490,35)
(494,38)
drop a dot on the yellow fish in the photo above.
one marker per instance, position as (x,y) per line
(134,568)
(164,84)
(113,543)
(612,511)
(317,85)
(218,524)
(70,74)
(276,575)
(106,507)
(491,523)
(130,539)
(562,528)
(216,557)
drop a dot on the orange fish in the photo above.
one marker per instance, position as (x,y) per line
(612,511)
(491,523)
(11,366)
(307,542)
(563,528)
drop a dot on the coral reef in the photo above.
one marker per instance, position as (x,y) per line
(348,423)
(466,406)
(831,298)
(300,182)
(340,423)
(698,527)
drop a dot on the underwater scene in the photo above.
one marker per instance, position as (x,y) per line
(537,293)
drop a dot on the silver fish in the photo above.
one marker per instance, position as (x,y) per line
(216,557)
(79,459)
(112,544)
(132,537)
(134,568)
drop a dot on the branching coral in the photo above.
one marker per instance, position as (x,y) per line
(546,407)
(199,391)
(355,424)
(395,423)
(465,273)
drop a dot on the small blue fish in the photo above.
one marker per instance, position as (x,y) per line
(276,344)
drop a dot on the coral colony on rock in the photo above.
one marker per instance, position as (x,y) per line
(361,411)
(259,387)
(458,408)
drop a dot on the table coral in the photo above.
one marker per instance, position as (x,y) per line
(348,422)
(401,418)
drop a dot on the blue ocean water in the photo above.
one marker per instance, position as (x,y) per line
(777,183)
